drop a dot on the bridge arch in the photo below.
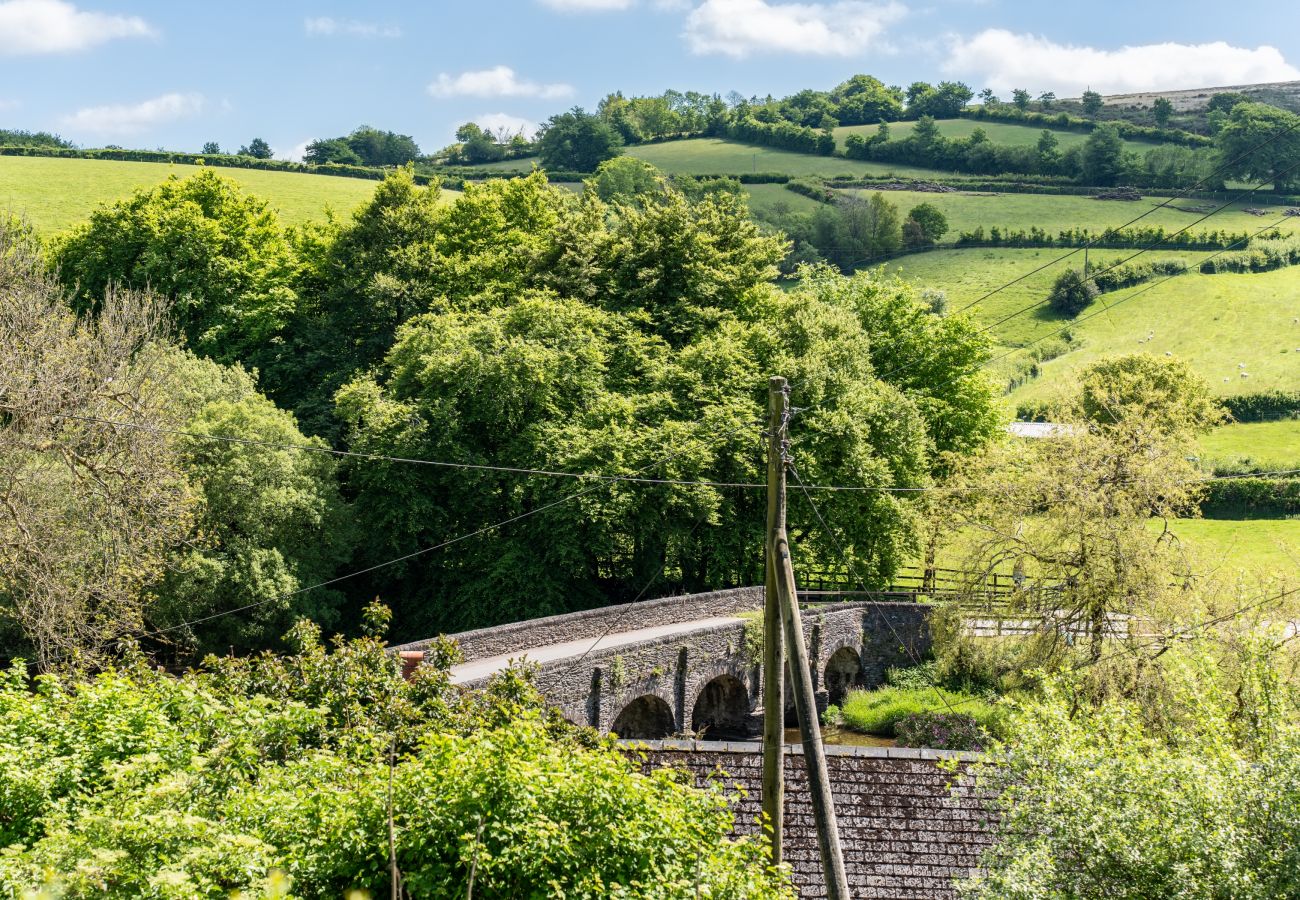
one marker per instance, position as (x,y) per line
(647,718)
(721,708)
(843,673)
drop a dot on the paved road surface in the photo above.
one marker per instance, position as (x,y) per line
(481,668)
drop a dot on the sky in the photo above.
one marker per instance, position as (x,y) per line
(176,73)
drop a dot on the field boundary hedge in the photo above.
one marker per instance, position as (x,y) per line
(1269,406)
(1063,121)
(1252,498)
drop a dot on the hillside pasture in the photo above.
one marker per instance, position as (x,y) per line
(54,194)
(1274,446)
(966,276)
(711,156)
(1238,331)
(1260,547)
(967,210)
(1007,133)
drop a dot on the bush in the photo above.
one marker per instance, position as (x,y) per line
(1252,498)
(252,771)
(1266,407)
(880,711)
(1071,293)
(941,731)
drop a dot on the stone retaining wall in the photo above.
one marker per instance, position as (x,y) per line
(909,828)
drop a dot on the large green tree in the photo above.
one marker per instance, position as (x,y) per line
(220,256)
(1103,156)
(268,519)
(577,141)
(1261,143)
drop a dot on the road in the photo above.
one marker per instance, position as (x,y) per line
(482,668)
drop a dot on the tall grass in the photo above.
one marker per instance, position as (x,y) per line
(879,711)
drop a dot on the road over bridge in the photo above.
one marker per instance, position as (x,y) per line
(688,664)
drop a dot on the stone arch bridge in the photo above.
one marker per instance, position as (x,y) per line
(687,664)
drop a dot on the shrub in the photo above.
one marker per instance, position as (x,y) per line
(140,784)
(1071,293)
(941,731)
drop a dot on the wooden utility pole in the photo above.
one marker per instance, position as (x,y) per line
(782,569)
(773,651)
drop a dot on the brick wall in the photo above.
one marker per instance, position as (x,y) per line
(908,828)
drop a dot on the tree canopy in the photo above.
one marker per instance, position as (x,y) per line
(576,141)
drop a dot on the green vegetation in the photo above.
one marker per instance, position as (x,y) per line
(288,777)
(968,210)
(1268,446)
(522,326)
(711,156)
(54,194)
(879,711)
(1213,322)
(1186,785)
(1257,547)
(1009,133)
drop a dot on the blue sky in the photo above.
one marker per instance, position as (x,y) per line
(148,73)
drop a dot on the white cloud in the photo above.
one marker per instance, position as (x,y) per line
(1004,60)
(327,26)
(588,5)
(127,119)
(30,27)
(499,81)
(512,125)
(738,28)
(296,154)
(7,105)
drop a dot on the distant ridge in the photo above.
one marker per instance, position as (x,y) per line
(1285,94)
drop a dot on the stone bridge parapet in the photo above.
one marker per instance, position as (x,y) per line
(702,681)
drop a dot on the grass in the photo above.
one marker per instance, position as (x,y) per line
(54,194)
(1263,445)
(710,156)
(879,711)
(966,276)
(1214,322)
(999,133)
(1250,546)
(967,210)
(767,198)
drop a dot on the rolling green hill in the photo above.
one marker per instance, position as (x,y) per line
(54,194)
(966,210)
(998,132)
(713,156)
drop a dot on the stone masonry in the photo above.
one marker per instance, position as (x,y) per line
(909,828)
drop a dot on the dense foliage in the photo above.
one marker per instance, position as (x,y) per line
(527,328)
(365,146)
(1188,788)
(220,256)
(285,777)
(576,141)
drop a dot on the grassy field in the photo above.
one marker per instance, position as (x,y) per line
(56,193)
(998,132)
(710,156)
(1214,322)
(1268,445)
(1253,546)
(966,276)
(965,211)
(771,197)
